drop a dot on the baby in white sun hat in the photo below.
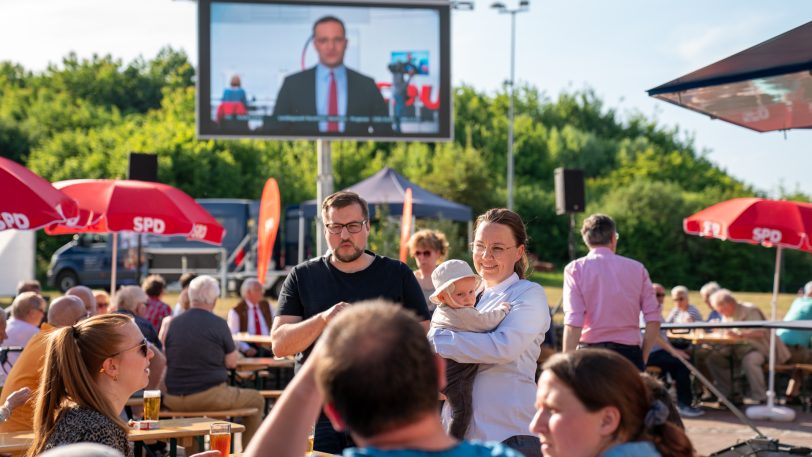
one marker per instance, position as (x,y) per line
(455,292)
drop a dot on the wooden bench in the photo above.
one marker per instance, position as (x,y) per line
(270,396)
(224,414)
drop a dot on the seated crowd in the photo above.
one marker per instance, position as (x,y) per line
(373,360)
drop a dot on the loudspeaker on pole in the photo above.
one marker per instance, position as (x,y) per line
(569,190)
(143,167)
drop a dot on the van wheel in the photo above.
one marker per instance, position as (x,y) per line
(66,279)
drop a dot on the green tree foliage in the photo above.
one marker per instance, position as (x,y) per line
(81,119)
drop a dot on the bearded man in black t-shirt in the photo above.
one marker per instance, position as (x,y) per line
(317,290)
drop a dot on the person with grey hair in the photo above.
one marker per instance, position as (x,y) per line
(86,295)
(683,310)
(131,300)
(604,295)
(705,292)
(64,311)
(252,315)
(752,351)
(28,310)
(199,352)
(29,285)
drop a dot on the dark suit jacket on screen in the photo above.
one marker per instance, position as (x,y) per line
(297,97)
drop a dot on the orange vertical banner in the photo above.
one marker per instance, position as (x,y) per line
(269,209)
(406,225)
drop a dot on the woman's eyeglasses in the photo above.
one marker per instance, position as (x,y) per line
(422,253)
(143,346)
(496,251)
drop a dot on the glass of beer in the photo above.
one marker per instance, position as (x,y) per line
(152,404)
(310,437)
(220,438)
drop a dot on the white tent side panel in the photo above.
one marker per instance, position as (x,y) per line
(17,259)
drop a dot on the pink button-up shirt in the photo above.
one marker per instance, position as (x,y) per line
(604,294)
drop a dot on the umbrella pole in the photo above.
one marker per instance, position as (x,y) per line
(113,268)
(770,411)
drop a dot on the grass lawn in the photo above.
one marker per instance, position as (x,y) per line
(553,282)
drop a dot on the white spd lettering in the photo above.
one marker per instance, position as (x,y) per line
(710,228)
(759,114)
(199,232)
(148,224)
(766,235)
(14,221)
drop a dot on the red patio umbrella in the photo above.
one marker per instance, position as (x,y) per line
(771,223)
(29,202)
(137,206)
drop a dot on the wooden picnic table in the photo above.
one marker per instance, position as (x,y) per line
(264,340)
(262,363)
(172,430)
(256,364)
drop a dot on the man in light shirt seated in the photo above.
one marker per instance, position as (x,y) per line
(27,313)
(683,311)
(752,349)
(252,315)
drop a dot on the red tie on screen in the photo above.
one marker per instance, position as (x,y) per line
(257,328)
(332,107)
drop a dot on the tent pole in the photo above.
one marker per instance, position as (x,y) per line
(324,187)
(113,267)
(770,411)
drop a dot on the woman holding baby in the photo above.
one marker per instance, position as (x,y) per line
(504,387)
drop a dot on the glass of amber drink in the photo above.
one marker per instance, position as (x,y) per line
(152,404)
(220,438)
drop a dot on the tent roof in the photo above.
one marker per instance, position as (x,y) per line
(388,187)
(766,87)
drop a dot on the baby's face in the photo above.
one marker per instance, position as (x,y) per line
(464,294)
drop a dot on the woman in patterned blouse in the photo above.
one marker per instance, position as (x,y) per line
(91,369)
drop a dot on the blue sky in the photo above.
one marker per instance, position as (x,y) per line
(618,48)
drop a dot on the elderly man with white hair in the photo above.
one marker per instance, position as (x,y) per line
(251,315)
(28,311)
(752,350)
(683,310)
(130,300)
(199,352)
(705,292)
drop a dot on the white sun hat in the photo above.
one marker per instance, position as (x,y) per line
(447,273)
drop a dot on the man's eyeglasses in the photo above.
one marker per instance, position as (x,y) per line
(143,346)
(680,298)
(352,227)
(482,250)
(425,253)
(660,294)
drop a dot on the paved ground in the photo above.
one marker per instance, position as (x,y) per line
(718,430)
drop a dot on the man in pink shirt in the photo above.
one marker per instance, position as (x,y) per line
(604,294)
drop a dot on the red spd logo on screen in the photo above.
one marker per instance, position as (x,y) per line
(766,235)
(198,232)
(14,221)
(148,224)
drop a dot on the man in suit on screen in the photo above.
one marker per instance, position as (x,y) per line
(330,98)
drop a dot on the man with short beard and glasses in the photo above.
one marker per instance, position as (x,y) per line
(318,289)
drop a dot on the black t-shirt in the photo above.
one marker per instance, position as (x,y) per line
(316,285)
(196,346)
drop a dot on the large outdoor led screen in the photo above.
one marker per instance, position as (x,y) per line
(307,69)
